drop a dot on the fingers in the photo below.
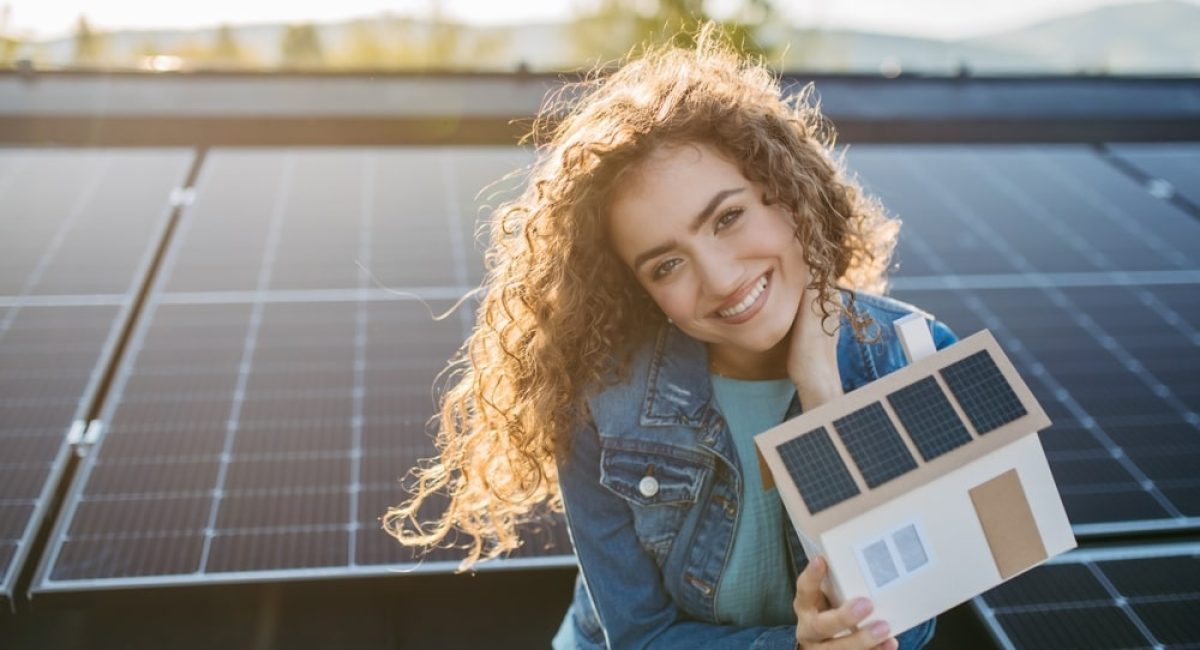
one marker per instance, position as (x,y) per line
(874,636)
(808,586)
(818,624)
(832,622)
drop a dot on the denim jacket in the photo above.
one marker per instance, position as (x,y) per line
(650,560)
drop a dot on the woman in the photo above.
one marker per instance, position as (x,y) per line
(682,272)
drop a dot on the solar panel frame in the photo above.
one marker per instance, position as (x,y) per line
(14,553)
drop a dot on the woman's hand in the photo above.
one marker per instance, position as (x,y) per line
(817,624)
(812,355)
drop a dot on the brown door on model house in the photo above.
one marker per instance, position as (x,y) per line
(1008,523)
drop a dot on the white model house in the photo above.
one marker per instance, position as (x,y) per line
(926,487)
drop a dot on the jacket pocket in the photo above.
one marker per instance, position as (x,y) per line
(661,486)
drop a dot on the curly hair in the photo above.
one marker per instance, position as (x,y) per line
(561,315)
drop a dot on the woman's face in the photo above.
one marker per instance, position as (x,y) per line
(727,269)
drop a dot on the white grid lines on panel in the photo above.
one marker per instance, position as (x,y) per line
(1123,603)
(874,444)
(1105,209)
(929,418)
(124,374)
(390,294)
(458,246)
(817,469)
(1058,297)
(1014,347)
(982,392)
(271,247)
(366,211)
(60,235)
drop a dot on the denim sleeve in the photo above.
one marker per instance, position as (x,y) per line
(623,581)
(942,335)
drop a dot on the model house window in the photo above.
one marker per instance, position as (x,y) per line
(900,553)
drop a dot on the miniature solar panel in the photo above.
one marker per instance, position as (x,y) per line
(1137,597)
(983,392)
(817,470)
(273,394)
(874,444)
(929,418)
(75,238)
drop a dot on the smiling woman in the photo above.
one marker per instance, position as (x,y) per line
(685,269)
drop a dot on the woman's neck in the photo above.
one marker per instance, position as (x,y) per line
(742,364)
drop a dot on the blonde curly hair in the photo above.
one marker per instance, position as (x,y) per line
(561,315)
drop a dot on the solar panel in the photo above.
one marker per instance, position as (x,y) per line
(982,392)
(929,418)
(271,396)
(816,468)
(874,444)
(78,229)
(1131,597)
(1170,169)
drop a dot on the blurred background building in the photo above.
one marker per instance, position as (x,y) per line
(223,237)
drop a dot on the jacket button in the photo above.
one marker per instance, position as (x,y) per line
(648,486)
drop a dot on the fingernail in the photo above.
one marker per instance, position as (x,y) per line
(880,630)
(861,607)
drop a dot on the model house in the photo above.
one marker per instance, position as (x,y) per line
(926,487)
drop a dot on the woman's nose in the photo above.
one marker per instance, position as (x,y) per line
(720,273)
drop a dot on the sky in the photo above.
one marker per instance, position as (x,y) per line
(947,19)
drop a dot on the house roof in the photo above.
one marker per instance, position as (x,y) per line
(879,442)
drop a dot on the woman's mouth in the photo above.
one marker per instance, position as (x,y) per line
(749,304)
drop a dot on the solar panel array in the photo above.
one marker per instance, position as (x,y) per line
(77,230)
(1130,597)
(1087,275)
(272,396)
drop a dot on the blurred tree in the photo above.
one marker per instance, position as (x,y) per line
(10,48)
(616,27)
(226,52)
(301,47)
(90,45)
(364,48)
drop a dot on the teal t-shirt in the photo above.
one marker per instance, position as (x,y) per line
(755,588)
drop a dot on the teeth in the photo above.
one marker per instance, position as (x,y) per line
(747,301)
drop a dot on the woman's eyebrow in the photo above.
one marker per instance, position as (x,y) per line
(697,222)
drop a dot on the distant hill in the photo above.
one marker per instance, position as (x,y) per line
(1146,37)
(1158,37)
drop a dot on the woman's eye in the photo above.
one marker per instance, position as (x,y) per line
(664,268)
(727,219)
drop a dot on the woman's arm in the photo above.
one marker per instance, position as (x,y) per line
(624,582)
